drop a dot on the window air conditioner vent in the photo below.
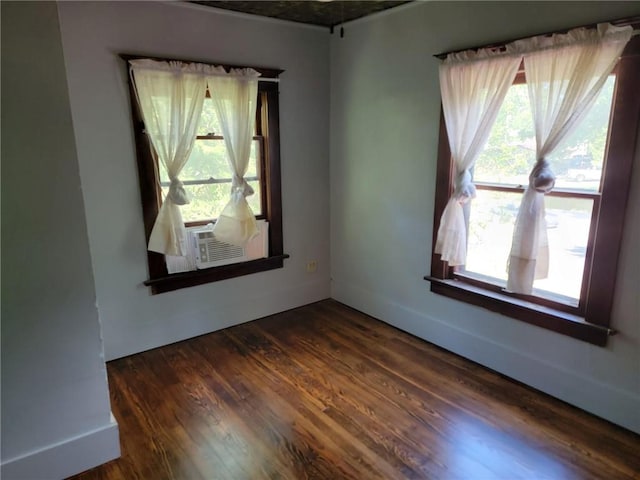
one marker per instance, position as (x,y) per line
(211,251)
(206,251)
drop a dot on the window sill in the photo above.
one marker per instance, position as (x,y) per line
(198,277)
(541,316)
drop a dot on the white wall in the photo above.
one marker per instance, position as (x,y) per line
(93,34)
(55,405)
(385,106)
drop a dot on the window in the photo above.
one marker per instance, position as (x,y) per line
(207,178)
(584,212)
(502,170)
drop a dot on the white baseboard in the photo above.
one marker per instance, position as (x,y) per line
(605,401)
(66,458)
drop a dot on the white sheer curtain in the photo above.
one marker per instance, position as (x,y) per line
(564,75)
(170,95)
(234,96)
(473,86)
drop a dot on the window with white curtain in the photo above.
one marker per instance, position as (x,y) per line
(582,214)
(207,178)
(207,175)
(502,171)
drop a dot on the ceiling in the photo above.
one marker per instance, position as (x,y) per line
(326,13)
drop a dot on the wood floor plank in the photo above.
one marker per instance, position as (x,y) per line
(271,421)
(449,432)
(361,400)
(325,392)
(516,402)
(299,380)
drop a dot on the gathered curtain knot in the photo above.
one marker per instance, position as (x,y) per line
(240,187)
(465,190)
(542,178)
(177,193)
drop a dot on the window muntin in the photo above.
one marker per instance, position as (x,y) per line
(505,163)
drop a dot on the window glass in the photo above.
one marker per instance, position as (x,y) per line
(578,160)
(568,223)
(491,222)
(209,123)
(510,151)
(507,159)
(208,160)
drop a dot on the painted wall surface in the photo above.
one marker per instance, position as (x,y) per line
(385,107)
(54,384)
(93,34)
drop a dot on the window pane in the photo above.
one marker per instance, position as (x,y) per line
(568,223)
(254,159)
(491,220)
(209,122)
(507,158)
(209,119)
(207,201)
(579,158)
(209,160)
(255,199)
(510,151)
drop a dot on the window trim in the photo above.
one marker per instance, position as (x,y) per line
(160,280)
(594,326)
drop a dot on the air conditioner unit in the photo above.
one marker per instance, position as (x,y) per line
(206,251)
(211,252)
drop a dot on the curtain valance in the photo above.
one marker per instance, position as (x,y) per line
(194,68)
(573,38)
(577,36)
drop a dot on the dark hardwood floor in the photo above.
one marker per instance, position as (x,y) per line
(326,392)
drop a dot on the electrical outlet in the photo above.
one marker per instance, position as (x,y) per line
(312,266)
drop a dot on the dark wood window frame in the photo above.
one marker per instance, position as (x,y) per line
(268,129)
(591,320)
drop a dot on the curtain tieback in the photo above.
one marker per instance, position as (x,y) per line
(542,178)
(177,193)
(239,186)
(465,190)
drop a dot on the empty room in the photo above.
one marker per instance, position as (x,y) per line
(320,239)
